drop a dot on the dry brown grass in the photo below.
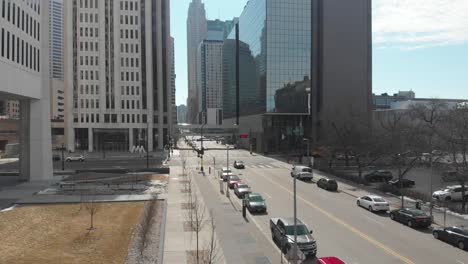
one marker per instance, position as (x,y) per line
(58,233)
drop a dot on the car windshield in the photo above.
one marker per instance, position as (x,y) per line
(256,198)
(331,182)
(306,170)
(240,162)
(416,212)
(379,200)
(234,178)
(301,230)
(242,186)
(227,171)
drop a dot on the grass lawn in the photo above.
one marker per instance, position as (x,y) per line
(58,233)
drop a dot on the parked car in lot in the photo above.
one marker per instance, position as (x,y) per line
(327,184)
(232,180)
(241,189)
(455,235)
(225,173)
(282,232)
(75,158)
(450,193)
(411,217)
(239,164)
(255,203)
(302,173)
(330,260)
(373,203)
(379,176)
(405,183)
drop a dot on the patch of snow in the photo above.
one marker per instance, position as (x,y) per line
(8,209)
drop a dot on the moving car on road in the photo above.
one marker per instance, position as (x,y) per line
(302,173)
(373,203)
(282,232)
(330,260)
(241,189)
(327,184)
(379,176)
(255,203)
(411,217)
(405,182)
(75,158)
(233,180)
(239,164)
(455,235)
(450,193)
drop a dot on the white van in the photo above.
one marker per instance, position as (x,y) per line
(302,173)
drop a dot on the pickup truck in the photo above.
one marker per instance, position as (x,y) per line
(282,232)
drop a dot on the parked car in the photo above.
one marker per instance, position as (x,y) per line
(373,203)
(75,158)
(282,232)
(405,182)
(330,260)
(225,173)
(56,157)
(255,203)
(411,217)
(239,164)
(241,189)
(379,176)
(455,235)
(450,193)
(327,184)
(232,180)
(302,173)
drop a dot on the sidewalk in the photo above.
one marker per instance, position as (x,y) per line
(112,155)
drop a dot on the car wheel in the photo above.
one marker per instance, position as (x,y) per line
(410,223)
(436,234)
(392,216)
(370,209)
(461,245)
(358,203)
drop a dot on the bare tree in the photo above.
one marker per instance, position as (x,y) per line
(146,225)
(213,250)
(92,208)
(198,222)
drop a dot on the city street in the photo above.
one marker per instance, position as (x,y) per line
(340,227)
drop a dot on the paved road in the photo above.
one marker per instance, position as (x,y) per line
(340,227)
(119,163)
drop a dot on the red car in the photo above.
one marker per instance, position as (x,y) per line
(233,180)
(330,260)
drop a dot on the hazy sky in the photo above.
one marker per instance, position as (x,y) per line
(419,45)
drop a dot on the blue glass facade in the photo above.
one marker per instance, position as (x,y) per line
(275,52)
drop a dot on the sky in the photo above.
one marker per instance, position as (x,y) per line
(419,45)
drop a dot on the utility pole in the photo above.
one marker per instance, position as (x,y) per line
(147,145)
(63,158)
(202,152)
(295,223)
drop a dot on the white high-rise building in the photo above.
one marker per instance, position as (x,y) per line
(24,75)
(118,74)
(196,33)
(57,97)
(173,83)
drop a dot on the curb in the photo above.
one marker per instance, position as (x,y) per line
(162,236)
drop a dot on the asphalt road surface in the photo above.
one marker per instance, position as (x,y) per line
(340,227)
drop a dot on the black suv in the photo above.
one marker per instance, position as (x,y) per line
(327,184)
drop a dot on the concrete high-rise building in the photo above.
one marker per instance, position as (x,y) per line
(24,71)
(57,96)
(318,49)
(173,83)
(118,74)
(182,114)
(219,30)
(196,32)
(210,81)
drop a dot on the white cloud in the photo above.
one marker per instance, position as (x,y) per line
(413,24)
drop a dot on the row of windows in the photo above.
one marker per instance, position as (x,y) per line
(89,118)
(132,104)
(24,53)
(84,3)
(88,32)
(89,60)
(129,62)
(128,20)
(129,34)
(86,90)
(93,18)
(89,104)
(93,46)
(129,5)
(13,14)
(129,76)
(131,90)
(128,48)
(89,75)
(112,118)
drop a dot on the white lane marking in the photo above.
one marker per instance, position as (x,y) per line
(323,195)
(375,221)
(461,262)
(267,195)
(268,166)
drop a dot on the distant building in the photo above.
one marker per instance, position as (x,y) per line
(385,100)
(219,30)
(182,114)
(173,83)
(12,109)
(403,100)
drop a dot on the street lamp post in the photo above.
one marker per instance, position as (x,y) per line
(295,223)
(147,145)
(202,152)
(63,158)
